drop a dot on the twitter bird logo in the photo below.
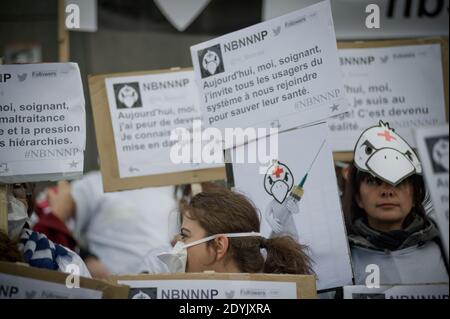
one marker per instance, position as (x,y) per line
(229,294)
(277,30)
(22,77)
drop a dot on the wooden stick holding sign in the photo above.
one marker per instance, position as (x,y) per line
(63,33)
(134,116)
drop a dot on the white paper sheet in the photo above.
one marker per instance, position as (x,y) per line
(432,145)
(15,287)
(401,85)
(282,73)
(42,118)
(397,292)
(210,289)
(319,222)
(144,111)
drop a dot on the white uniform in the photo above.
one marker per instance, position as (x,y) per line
(121,227)
(413,265)
(418,259)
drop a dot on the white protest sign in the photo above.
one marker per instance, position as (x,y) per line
(432,145)
(17,287)
(401,85)
(42,117)
(304,170)
(282,73)
(145,111)
(397,292)
(210,289)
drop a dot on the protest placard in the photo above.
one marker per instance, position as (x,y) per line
(135,115)
(42,117)
(282,73)
(297,196)
(432,145)
(431,291)
(18,281)
(219,286)
(402,82)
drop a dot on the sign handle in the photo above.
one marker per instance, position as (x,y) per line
(63,33)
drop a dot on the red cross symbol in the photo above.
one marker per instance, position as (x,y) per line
(387,136)
(277,171)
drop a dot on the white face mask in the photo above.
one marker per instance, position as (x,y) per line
(176,259)
(17,217)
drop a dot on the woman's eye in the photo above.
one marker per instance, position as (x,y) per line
(286,178)
(369,150)
(371,181)
(270,180)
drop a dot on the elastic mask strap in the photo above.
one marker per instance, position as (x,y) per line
(206,239)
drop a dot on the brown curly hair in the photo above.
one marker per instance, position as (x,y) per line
(221,211)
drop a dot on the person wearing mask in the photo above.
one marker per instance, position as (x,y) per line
(22,244)
(220,232)
(385,217)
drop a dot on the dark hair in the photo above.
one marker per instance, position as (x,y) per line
(220,211)
(351,209)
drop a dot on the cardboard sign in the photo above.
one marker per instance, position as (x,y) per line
(219,286)
(135,115)
(23,282)
(432,145)
(400,82)
(42,122)
(298,196)
(282,73)
(397,292)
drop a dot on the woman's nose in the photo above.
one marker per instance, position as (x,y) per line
(387,190)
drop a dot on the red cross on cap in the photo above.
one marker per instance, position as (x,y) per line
(388,137)
(277,171)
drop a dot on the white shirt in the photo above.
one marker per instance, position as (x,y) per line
(412,265)
(121,227)
(68,263)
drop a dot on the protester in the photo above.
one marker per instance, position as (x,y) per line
(35,248)
(385,216)
(118,228)
(220,232)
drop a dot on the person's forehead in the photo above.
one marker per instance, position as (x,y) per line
(192,225)
(188,222)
